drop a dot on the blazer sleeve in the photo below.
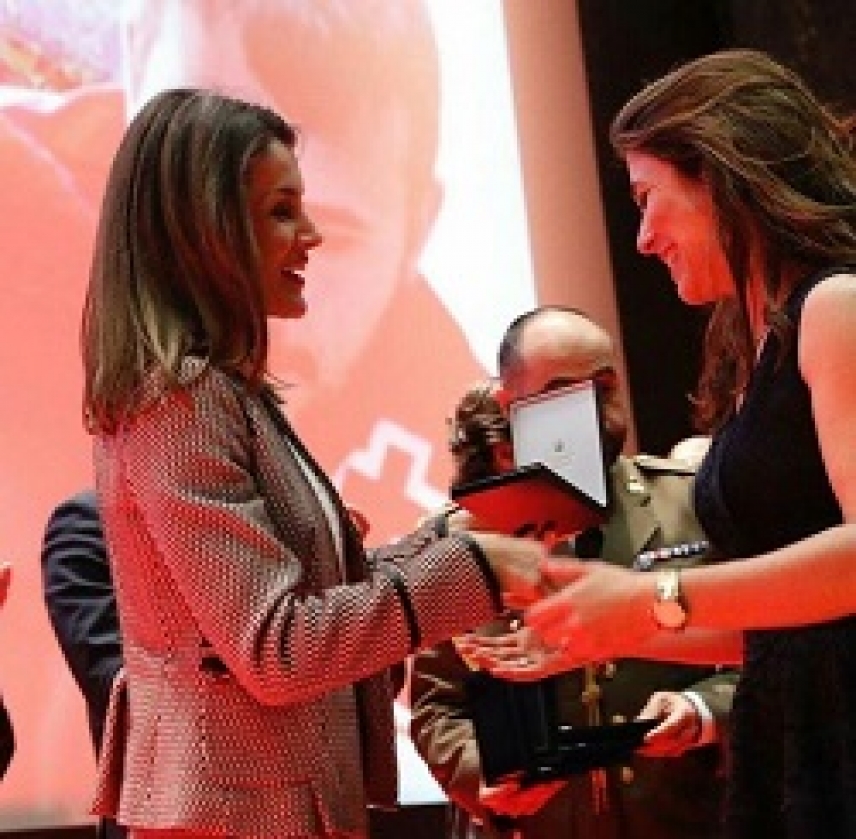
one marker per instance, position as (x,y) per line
(214,497)
(441,725)
(81,603)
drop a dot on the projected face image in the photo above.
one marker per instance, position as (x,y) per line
(355,154)
(358,201)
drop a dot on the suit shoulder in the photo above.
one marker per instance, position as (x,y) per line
(653,466)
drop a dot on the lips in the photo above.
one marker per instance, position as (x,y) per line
(294,277)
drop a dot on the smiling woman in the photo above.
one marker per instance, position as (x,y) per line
(424,227)
(747,188)
(284,233)
(678,225)
(246,599)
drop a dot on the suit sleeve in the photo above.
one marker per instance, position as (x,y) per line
(81,603)
(441,726)
(717,692)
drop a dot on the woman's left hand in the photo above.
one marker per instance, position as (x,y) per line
(519,655)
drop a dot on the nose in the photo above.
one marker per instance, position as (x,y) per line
(308,235)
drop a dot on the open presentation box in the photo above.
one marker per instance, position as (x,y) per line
(559,483)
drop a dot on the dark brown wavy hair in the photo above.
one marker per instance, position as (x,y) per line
(478,426)
(781,171)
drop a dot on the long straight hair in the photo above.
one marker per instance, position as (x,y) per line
(175,266)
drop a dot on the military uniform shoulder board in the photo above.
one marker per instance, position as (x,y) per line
(662,465)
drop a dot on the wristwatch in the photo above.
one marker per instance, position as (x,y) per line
(669,608)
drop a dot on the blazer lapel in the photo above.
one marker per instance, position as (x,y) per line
(355,558)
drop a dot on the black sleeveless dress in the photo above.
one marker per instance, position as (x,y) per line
(763,485)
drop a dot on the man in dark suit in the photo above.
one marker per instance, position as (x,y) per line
(81,604)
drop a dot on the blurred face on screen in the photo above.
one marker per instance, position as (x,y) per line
(353,155)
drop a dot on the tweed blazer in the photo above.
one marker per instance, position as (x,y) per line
(255,699)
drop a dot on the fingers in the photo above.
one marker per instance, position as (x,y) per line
(679,729)
(528,668)
(655,707)
(517,656)
(487,649)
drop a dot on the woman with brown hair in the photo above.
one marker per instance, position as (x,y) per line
(257,632)
(746,186)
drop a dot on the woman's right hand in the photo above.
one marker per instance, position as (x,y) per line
(593,611)
(516,563)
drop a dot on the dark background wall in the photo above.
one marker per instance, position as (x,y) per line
(627,43)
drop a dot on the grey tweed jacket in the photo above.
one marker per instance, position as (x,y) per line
(255,699)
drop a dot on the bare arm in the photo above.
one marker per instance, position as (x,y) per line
(815,579)
(604,611)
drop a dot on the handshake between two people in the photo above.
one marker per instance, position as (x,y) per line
(572,610)
(567,610)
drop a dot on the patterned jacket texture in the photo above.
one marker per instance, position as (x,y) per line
(670,798)
(256,698)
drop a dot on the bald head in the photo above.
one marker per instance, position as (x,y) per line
(552,347)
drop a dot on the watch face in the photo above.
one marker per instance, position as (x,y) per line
(669,614)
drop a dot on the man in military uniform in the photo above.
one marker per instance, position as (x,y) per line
(674,788)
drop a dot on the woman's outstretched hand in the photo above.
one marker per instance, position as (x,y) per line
(516,563)
(518,655)
(591,611)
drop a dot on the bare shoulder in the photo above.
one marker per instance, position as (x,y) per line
(828,326)
(834,290)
